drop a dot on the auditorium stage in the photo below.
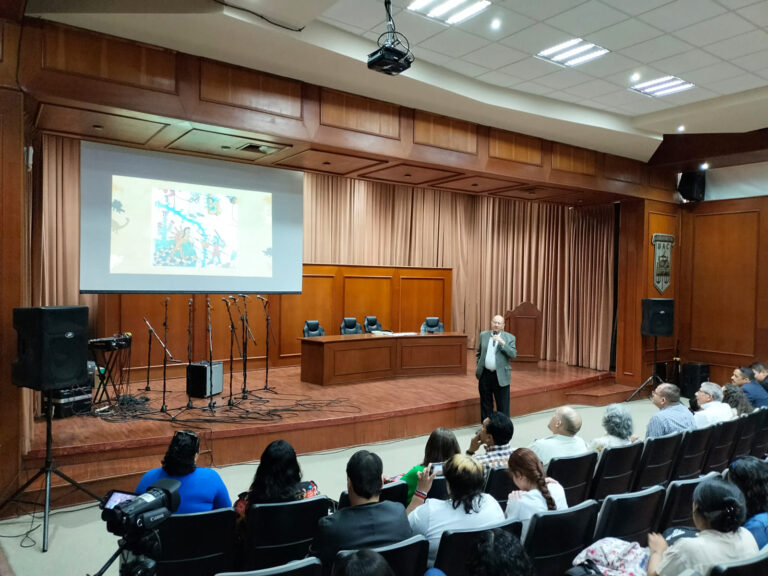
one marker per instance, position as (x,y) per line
(113,449)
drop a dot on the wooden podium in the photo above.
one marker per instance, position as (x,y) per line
(524,322)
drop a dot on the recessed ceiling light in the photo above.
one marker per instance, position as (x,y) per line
(662,86)
(635,77)
(495,23)
(572,53)
(681,128)
(704,166)
(449,11)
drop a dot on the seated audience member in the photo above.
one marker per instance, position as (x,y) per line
(737,400)
(468,508)
(495,436)
(750,474)
(672,416)
(712,409)
(363,562)
(756,394)
(367,522)
(564,425)
(441,445)
(498,553)
(719,511)
(202,489)
(277,479)
(618,425)
(535,494)
(760,374)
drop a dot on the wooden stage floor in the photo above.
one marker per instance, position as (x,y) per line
(113,448)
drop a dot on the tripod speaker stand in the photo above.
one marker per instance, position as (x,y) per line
(52,355)
(658,320)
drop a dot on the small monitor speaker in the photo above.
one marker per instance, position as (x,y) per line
(204,380)
(658,317)
(692,185)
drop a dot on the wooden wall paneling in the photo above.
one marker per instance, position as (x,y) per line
(9,53)
(314,303)
(515,147)
(359,114)
(572,159)
(14,281)
(443,132)
(724,285)
(422,296)
(369,295)
(625,169)
(108,58)
(632,252)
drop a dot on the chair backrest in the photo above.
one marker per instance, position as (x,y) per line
(499,484)
(760,444)
(631,516)
(406,558)
(198,544)
(350,326)
(371,324)
(755,566)
(306,567)
(692,454)
(456,546)
(721,446)
(678,504)
(574,474)
(745,437)
(396,491)
(555,537)
(312,328)
(616,470)
(431,325)
(655,467)
(279,533)
(439,489)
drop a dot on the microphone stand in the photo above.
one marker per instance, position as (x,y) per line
(232,331)
(268,320)
(246,335)
(189,351)
(211,403)
(167,354)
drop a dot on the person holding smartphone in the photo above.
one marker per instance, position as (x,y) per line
(441,445)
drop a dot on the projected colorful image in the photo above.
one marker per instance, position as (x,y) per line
(173,228)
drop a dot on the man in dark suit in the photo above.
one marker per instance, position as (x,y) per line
(495,348)
(367,523)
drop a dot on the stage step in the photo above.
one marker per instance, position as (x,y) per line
(601,394)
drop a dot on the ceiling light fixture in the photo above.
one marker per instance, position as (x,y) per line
(662,86)
(495,24)
(681,128)
(572,53)
(635,77)
(704,166)
(449,11)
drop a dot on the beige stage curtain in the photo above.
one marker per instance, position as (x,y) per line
(502,252)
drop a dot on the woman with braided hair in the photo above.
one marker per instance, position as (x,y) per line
(719,510)
(536,493)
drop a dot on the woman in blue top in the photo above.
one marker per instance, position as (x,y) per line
(201,488)
(750,474)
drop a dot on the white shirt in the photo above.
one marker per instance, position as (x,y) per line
(533,502)
(436,516)
(707,549)
(557,446)
(712,413)
(490,354)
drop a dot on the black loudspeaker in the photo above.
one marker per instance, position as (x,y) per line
(200,384)
(658,317)
(694,373)
(692,185)
(52,347)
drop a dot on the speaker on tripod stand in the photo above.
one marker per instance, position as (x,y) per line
(52,355)
(658,320)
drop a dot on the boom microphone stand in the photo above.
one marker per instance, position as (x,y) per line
(247,334)
(211,403)
(167,354)
(267,319)
(232,341)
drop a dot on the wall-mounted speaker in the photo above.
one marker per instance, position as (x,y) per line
(52,347)
(204,380)
(658,317)
(692,185)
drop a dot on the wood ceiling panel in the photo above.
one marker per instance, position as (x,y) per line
(328,162)
(478,184)
(101,125)
(409,174)
(561,196)
(226,145)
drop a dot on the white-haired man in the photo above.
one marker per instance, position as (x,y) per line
(712,408)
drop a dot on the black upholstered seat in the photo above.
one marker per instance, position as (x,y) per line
(406,558)
(313,328)
(692,454)
(616,470)
(371,323)
(306,567)
(396,491)
(631,516)
(350,326)
(574,473)
(499,484)
(655,468)
(432,325)
(456,545)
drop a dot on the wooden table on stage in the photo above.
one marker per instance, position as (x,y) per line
(344,359)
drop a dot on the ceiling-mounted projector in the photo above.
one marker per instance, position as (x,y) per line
(393,55)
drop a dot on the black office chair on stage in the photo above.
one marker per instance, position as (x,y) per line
(312,328)
(350,326)
(371,324)
(432,325)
